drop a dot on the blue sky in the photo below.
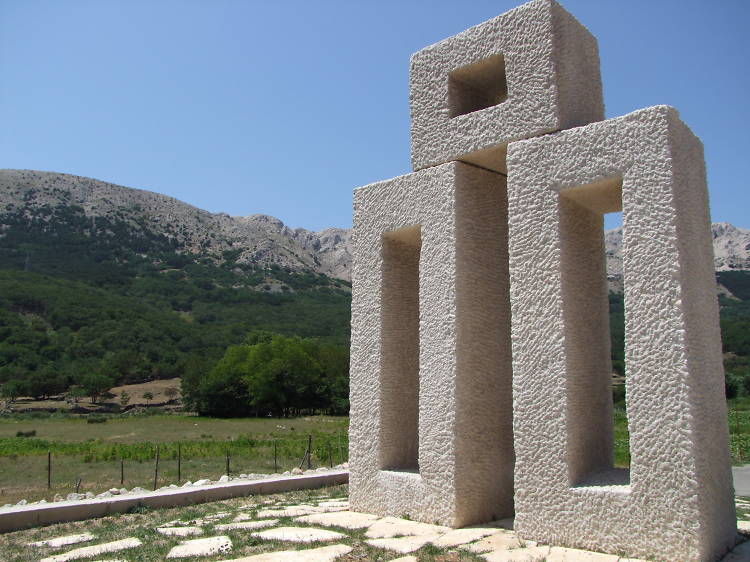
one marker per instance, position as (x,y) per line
(283,107)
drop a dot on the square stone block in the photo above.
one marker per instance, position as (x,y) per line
(676,500)
(431,424)
(530,71)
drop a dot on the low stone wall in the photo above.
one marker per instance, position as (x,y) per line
(22,517)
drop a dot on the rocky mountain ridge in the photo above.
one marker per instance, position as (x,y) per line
(731,248)
(259,239)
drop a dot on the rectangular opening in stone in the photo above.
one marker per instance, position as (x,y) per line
(613,243)
(477,86)
(399,361)
(586,305)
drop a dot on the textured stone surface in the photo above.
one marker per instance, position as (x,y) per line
(676,503)
(321,554)
(201,547)
(431,348)
(551,66)
(64,541)
(94,550)
(346,519)
(299,534)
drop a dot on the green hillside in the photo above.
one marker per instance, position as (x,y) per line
(82,296)
(90,301)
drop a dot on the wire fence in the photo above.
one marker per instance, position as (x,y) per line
(59,471)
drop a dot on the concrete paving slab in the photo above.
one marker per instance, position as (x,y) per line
(291,511)
(346,519)
(534,554)
(299,534)
(500,540)
(389,527)
(245,525)
(322,554)
(201,547)
(179,531)
(458,537)
(57,542)
(561,554)
(403,545)
(334,503)
(94,550)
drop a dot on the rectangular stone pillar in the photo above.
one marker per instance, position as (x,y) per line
(676,500)
(530,71)
(431,423)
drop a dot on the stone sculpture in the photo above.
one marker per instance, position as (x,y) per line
(480,371)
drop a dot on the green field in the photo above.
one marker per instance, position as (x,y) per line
(93,451)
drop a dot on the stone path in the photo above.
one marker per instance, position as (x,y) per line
(201,547)
(324,530)
(95,550)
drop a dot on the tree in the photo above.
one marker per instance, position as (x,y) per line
(148,397)
(124,399)
(171,392)
(74,394)
(96,384)
(12,390)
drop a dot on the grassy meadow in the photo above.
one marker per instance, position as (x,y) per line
(93,451)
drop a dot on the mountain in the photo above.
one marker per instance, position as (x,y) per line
(102,280)
(255,240)
(731,248)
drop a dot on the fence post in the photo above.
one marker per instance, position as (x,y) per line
(275,464)
(309,452)
(179,463)
(227,462)
(156,467)
(49,469)
(341,451)
(78,484)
